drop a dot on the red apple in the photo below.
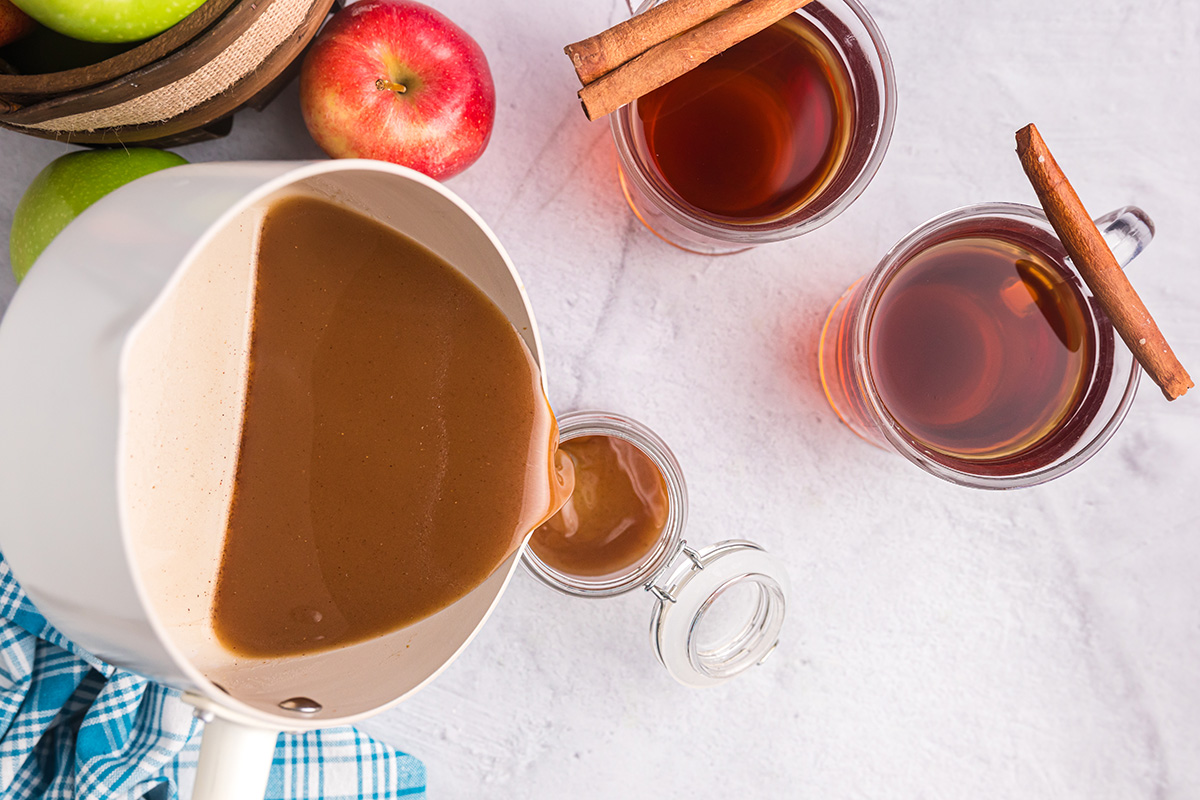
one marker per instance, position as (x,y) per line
(396,81)
(14,23)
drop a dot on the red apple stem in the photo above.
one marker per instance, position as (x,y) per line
(383,83)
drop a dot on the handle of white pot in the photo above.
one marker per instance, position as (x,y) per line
(235,761)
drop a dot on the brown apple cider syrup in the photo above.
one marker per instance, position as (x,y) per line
(756,131)
(396,447)
(615,515)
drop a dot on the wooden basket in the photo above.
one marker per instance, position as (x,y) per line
(180,86)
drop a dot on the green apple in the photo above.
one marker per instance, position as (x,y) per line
(108,20)
(67,186)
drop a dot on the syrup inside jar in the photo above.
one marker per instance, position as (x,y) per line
(624,520)
(614,517)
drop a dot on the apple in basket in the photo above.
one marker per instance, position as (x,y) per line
(396,81)
(108,20)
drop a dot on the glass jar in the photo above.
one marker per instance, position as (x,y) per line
(717,610)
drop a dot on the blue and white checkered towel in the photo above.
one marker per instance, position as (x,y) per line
(72,726)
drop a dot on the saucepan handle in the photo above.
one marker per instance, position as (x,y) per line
(235,761)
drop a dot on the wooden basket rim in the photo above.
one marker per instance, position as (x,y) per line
(214,109)
(153,49)
(163,72)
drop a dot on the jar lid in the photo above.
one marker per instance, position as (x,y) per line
(719,612)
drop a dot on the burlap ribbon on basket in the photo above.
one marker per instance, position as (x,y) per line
(280,20)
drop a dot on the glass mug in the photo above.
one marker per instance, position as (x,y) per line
(976,351)
(803,123)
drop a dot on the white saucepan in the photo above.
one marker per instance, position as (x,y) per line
(124,356)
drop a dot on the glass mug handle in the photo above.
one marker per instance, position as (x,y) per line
(1126,231)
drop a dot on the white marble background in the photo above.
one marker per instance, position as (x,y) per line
(942,642)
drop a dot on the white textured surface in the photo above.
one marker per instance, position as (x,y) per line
(942,642)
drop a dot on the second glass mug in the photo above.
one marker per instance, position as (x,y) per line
(850,370)
(855,41)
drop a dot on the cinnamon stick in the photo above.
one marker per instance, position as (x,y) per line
(666,61)
(1098,267)
(604,52)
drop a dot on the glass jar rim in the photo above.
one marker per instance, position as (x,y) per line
(575,424)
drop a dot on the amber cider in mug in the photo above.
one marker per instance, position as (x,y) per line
(766,140)
(977,351)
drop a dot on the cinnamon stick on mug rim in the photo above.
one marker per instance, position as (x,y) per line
(1098,266)
(666,61)
(600,54)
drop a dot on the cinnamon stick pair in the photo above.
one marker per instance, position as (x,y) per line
(652,49)
(1098,267)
